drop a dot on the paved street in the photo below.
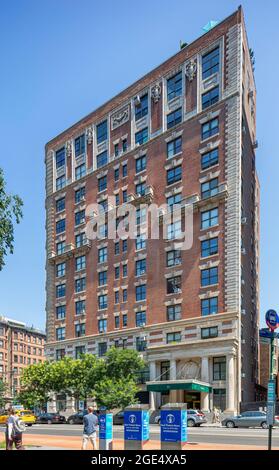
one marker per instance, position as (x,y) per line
(211,435)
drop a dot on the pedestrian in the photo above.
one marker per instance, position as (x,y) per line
(217,415)
(14,429)
(90,423)
(214,415)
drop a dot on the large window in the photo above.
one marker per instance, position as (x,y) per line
(174,230)
(103,301)
(80,263)
(140,189)
(80,239)
(140,267)
(80,217)
(173,200)
(80,284)
(173,337)
(165,370)
(60,269)
(174,175)
(102,183)
(80,307)
(211,332)
(174,118)
(140,164)
(80,195)
(141,292)
(102,159)
(209,276)
(60,157)
(141,344)
(102,132)
(60,226)
(60,354)
(102,278)
(102,325)
(102,349)
(219,368)
(60,182)
(142,136)
(80,145)
(174,285)
(174,312)
(141,109)
(60,312)
(210,97)
(209,306)
(209,247)
(209,188)
(140,242)
(210,63)
(209,218)
(102,255)
(60,290)
(209,159)
(80,330)
(60,334)
(79,351)
(174,86)
(174,147)
(173,258)
(60,204)
(80,171)
(210,128)
(140,319)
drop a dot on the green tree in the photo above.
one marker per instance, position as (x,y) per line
(3,389)
(123,363)
(10,212)
(116,393)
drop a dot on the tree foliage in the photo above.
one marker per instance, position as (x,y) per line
(10,212)
(3,389)
(116,393)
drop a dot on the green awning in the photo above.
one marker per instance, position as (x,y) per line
(189,386)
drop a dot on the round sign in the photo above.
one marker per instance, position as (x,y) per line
(272,319)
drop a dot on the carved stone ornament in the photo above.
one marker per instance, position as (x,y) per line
(156,92)
(68,148)
(89,135)
(191,69)
(120,117)
(190,370)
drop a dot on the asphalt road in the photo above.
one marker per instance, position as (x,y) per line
(199,435)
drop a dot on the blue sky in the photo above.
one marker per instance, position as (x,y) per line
(61,59)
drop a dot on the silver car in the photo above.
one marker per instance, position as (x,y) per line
(248,419)
(194,418)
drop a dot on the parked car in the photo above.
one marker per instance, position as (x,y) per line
(248,419)
(26,416)
(51,418)
(194,418)
(77,418)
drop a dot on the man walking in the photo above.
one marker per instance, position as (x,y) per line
(14,429)
(90,422)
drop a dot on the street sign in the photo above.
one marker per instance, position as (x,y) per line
(272,319)
(271,391)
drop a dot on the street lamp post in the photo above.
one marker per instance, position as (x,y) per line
(272,321)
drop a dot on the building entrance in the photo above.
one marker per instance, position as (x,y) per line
(193,400)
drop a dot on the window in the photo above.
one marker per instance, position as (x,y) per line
(117,272)
(174,86)
(102,278)
(80,284)
(60,354)
(61,226)
(60,269)
(102,325)
(60,334)
(174,230)
(140,164)
(124,195)
(60,247)
(140,319)
(174,285)
(207,333)
(102,183)
(141,109)
(102,159)
(124,145)
(124,295)
(124,170)
(174,312)
(80,171)
(80,217)
(79,330)
(116,297)
(60,205)
(209,218)
(210,63)
(116,150)
(173,258)
(140,267)
(80,307)
(174,118)
(60,312)
(209,159)
(141,344)
(124,320)
(209,306)
(102,132)
(124,245)
(141,292)
(209,247)
(173,200)
(125,270)
(80,263)
(79,351)
(140,242)
(209,276)
(174,147)
(173,337)
(116,248)
(117,200)
(103,301)
(116,174)
(60,290)
(102,349)
(80,195)
(60,182)
(165,370)
(60,157)
(209,188)
(80,239)
(102,255)
(219,368)
(117,322)
(140,189)
(103,230)
(174,175)
(80,145)
(142,136)
(210,97)
(210,128)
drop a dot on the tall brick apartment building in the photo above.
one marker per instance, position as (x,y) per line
(184,133)
(20,346)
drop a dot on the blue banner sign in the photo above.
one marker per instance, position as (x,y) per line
(173,425)
(105,426)
(272,319)
(271,391)
(136,425)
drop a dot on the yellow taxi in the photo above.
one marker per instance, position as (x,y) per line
(26,416)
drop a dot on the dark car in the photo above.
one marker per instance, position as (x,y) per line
(51,418)
(118,418)
(248,419)
(77,418)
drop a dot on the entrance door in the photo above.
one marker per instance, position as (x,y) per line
(193,400)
